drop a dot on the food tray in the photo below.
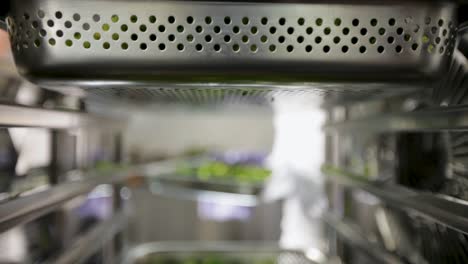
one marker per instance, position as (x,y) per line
(163,179)
(220,252)
(338,45)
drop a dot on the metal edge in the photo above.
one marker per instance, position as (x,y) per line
(89,243)
(142,250)
(448,211)
(443,118)
(26,116)
(349,232)
(28,208)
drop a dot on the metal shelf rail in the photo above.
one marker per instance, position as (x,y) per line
(350,233)
(25,209)
(448,211)
(444,118)
(12,115)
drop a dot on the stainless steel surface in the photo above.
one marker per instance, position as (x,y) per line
(232,44)
(243,251)
(163,179)
(349,232)
(28,208)
(25,116)
(443,118)
(448,211)
(92,241)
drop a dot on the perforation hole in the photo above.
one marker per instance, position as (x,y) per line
(363,31)
(86,26)
(208,38)
(326,49)
(372,40)
(105,27)
(96,18)
(427,20)
(162,46)
(190,38)
(344,49)
(318,40)
(253,48)
(190,20)
(235,47)
(337,22)
(309,30)
(153,37)
(354,40)
(398,49)
(308,48)
(407,37)
(327,31)
(199,47)
(115,18)
(391,21)
(52,42)
(97,36)
(162,28)
(272,30)
(152,19)
(208,20)
(35,24)
(199,29)
(124,46)
(37,43)
(217,47)
(42,33)
(441,50)
(106,45)
(380,49)
(290,30)
(301,21)
(254,30)
(171,38)
(227,39)
(390,40)
(143,46)
(437,40)
(50,23)
(272,48)
(133,19)
(362,49)
(345,31)
(245,21)
(355,22)
(300,39)
(441,22)
(77,35)
(336,40)
(264,39)
(86,45)
(124,28)
(374,22)
(245,39)
(414,46)
(180,28)
(382,31)
(58,15)
(264,21)
(68,42)
(59,33)
(282,21)
(180,47)
(281,39)
(290,48)
(319,21)
(134,37)
(40,14)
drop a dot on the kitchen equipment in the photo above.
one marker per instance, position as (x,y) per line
(247,252)
(188,48)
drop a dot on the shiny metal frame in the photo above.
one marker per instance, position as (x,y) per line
(188,44)
(348,231)
(448,211)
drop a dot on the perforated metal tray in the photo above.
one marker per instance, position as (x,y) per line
(338,45)
(246,252)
